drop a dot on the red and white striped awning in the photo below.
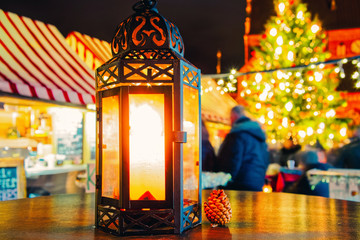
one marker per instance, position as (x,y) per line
(93,51)
(36,61)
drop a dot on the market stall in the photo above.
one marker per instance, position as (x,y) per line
(45,89)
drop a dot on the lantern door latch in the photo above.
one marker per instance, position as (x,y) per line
(180,137)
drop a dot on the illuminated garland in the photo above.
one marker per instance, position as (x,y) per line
(228,82)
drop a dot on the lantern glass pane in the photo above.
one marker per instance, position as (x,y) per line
(191,147)
(147,146)
(110,147)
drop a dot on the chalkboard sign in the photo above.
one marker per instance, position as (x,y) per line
(12,179)
(8,183)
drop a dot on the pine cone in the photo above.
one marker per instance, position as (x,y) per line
(218,210)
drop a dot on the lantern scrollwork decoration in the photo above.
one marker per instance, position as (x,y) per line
(148,164)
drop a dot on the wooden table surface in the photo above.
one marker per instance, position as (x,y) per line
(255,216)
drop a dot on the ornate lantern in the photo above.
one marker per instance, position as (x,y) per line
(148,127)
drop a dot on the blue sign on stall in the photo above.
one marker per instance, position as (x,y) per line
(8,183)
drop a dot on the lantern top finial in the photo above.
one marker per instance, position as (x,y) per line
(143,5)
(147,30)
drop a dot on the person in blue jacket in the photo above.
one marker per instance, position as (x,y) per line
(244,153)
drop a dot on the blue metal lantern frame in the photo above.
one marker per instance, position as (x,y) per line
(148,57)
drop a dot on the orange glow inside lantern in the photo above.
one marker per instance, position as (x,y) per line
(147,147)
(110,147)
(135,146)
(191,148)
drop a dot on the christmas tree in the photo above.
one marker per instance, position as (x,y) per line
(298,102)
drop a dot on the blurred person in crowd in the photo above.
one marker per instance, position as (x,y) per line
(288,151)
(349,155)
(208,153)
(244,153)
(309,160)
(332,155)
(318,149)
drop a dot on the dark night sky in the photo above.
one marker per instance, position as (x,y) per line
(205,25)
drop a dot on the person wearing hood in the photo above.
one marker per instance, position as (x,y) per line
(244,153)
